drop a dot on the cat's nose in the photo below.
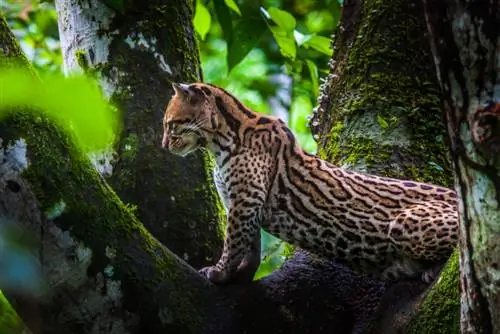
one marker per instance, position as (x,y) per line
(164,141)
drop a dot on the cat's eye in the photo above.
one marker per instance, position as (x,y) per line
(172,129)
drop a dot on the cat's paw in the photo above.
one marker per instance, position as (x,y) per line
(214,274)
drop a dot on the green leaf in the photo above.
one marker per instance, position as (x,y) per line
(318,21)
(335,8)
(231,4)
(319,43)
(313,71)
(202,20)
(382,122)
(75,103)
(247,33)
(301,38)
(265,268)
(46,22)
(300,108)
(224,17)
(9,319)
(271,253)
(293,67)
(285,42)
(283,19)
(282,26)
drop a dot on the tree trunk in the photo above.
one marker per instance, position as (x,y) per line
(137,52)
(379,112)
(465,41)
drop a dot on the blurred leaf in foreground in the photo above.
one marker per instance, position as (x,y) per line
(75,103)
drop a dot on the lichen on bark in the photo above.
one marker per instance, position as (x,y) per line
(464,37)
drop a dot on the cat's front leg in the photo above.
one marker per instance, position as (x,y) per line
(250,263)
(241,253)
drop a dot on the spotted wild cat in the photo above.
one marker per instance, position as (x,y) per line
(387,227)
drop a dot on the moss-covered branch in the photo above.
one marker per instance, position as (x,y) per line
(96,246)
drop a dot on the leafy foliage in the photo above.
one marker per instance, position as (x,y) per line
(35,26)
(274,58)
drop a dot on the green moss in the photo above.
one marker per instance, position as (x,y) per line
(440,311)
(81,59)
(334,141)
(209,165)
(91,70)
(11,54)
(388,74)
(359,149)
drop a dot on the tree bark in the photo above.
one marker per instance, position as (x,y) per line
(379,112)
(465,42)
(137,52)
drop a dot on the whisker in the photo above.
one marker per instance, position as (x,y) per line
(195,127)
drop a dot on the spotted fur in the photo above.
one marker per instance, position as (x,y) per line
(387,227)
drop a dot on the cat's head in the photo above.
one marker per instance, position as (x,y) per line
(189,118)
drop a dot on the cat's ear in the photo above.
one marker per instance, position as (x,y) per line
(188,92)
(182,90)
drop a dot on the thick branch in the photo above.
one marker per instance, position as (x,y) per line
(96,257)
